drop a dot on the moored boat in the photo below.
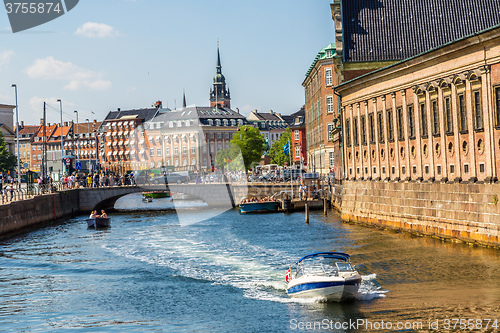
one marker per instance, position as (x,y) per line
(327,275)
(99,222)
(259,207)
(156,194)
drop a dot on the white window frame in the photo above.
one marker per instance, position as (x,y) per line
(329,104)
(329,128)
(328,76)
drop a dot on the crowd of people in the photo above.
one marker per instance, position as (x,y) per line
(76,180)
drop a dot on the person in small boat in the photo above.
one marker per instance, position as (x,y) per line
(93,215)
(103,214)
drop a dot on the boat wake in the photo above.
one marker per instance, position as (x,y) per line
(257,271)
(369,289)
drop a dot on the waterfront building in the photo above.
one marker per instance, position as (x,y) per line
(26,133)
(83,144)
(299,141)
(271,125)
(322,113)
(125,144)
(7,125)
(432,117)
(189,139)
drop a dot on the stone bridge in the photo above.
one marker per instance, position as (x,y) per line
(222,195)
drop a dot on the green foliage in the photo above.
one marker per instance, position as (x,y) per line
(276,152)
(245,148)
(8,161)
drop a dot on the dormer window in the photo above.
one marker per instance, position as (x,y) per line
(170,124)
(210,122)
(329,53)
(217,122)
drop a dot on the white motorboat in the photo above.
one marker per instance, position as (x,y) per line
(327,275)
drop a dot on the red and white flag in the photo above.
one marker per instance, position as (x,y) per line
(288,275)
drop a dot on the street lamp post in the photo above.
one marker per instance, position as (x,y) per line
(17,141)
(78,139)
(62,138)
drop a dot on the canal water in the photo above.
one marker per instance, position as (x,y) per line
(226,274)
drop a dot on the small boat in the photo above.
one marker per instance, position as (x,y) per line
(99,222)
(156,194)
(259,207)
(327,275)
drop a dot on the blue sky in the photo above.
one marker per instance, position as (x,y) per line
(108,54)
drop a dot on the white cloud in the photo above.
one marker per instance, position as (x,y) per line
(96,30)
(5,57)
(36,103)
(78,77)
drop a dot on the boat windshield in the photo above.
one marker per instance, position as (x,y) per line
(322,266)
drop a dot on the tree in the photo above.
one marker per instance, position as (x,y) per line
(276,152)
(248,143)
(8,161)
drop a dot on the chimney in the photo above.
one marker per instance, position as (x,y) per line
(237,110)
(22,124)
(65,124)
(118,109)
(95,121)
(254,111)
(48,124)
(159,105)
(271,111)
(41,121)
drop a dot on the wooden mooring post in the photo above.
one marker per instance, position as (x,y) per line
(307,213)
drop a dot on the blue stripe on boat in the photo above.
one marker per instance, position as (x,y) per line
(314,285)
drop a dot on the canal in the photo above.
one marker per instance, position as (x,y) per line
(226,274)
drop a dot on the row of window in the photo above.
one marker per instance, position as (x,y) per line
(463,122)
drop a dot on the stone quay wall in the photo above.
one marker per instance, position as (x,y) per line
(466,212)
(21,215)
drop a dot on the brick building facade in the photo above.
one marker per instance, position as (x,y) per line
(433,117)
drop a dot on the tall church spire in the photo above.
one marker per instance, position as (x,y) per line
(219,94)
(183,98)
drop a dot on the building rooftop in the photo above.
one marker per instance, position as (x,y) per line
(328,52)
(390,30)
